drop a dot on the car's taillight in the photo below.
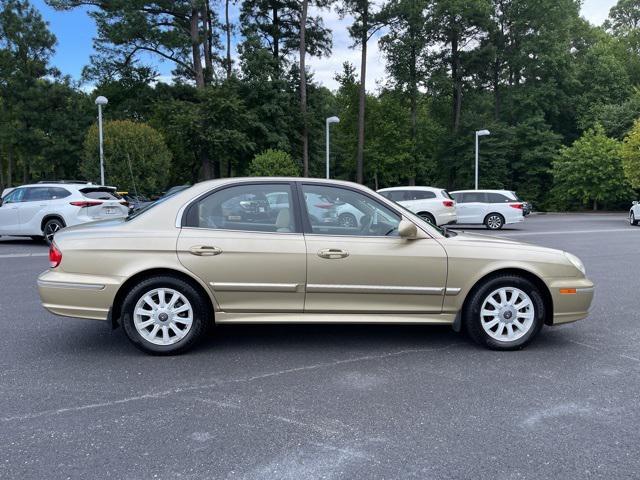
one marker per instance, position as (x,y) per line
(55,255)
(448,203)
(85,203)
(516,205)
(124,202)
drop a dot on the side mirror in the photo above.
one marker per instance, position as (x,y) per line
(407,229)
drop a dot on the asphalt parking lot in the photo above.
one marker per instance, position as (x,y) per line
(329,402)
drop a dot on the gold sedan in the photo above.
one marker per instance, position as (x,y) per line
(286,250)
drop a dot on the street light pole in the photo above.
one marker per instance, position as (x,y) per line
(479,133)
(100,101)
(330,120)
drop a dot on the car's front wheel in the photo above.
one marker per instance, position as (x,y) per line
(494,221)
(505,313)
(165,315)
(632,218)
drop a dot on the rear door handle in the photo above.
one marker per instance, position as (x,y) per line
(205,250)
(333,253)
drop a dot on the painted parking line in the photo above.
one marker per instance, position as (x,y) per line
(23,255)
(573,232)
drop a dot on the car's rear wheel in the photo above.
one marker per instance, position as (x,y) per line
(494,221)
(427,217)
(505,313)
(165,315)
(50,228)
(632,218)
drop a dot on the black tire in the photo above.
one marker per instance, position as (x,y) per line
(427,217)
(494,221)
(632,218)
(347,220)
(50,228)
(201,315)
(473,322)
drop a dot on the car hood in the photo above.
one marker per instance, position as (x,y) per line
(471,239)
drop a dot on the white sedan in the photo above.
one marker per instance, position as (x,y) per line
(434,205)
(634,213)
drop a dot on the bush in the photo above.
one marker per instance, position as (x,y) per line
(135,155)
(273,163)
(589,173)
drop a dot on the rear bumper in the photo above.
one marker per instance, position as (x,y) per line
(76,295)
(447,218)
(568,306)
(517,219)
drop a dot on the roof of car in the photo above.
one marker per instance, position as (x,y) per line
(483,191)
(424,189)
(66,185)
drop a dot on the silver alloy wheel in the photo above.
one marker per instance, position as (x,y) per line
(494,222)
(163,316)
(507,314)
(50,230)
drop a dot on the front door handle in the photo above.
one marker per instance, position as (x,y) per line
(333,253)
(205,250)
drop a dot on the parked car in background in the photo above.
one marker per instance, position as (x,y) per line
(527,208)
(135,202)
(167,273)
(434,205)
(40,210)
(491,208)
(634,213)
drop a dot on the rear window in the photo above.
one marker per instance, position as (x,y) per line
(498,198)
(418,195)
(100,194)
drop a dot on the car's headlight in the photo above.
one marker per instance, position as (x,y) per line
(576,262)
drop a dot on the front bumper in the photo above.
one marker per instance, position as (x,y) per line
(571,299)
(77,295)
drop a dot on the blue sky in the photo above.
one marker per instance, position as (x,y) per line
(75,31)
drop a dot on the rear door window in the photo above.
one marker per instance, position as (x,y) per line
(474,197)
(56,193)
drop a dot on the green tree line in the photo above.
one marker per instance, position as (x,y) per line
(559,95)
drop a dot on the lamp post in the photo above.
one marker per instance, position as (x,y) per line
(330,120)
(479,133)
(100,101)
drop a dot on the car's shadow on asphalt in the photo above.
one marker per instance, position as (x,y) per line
(20,241)
(101,341)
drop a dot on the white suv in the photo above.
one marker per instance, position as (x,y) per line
(435,205)
(42,209)
(634,214)
(491,208)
